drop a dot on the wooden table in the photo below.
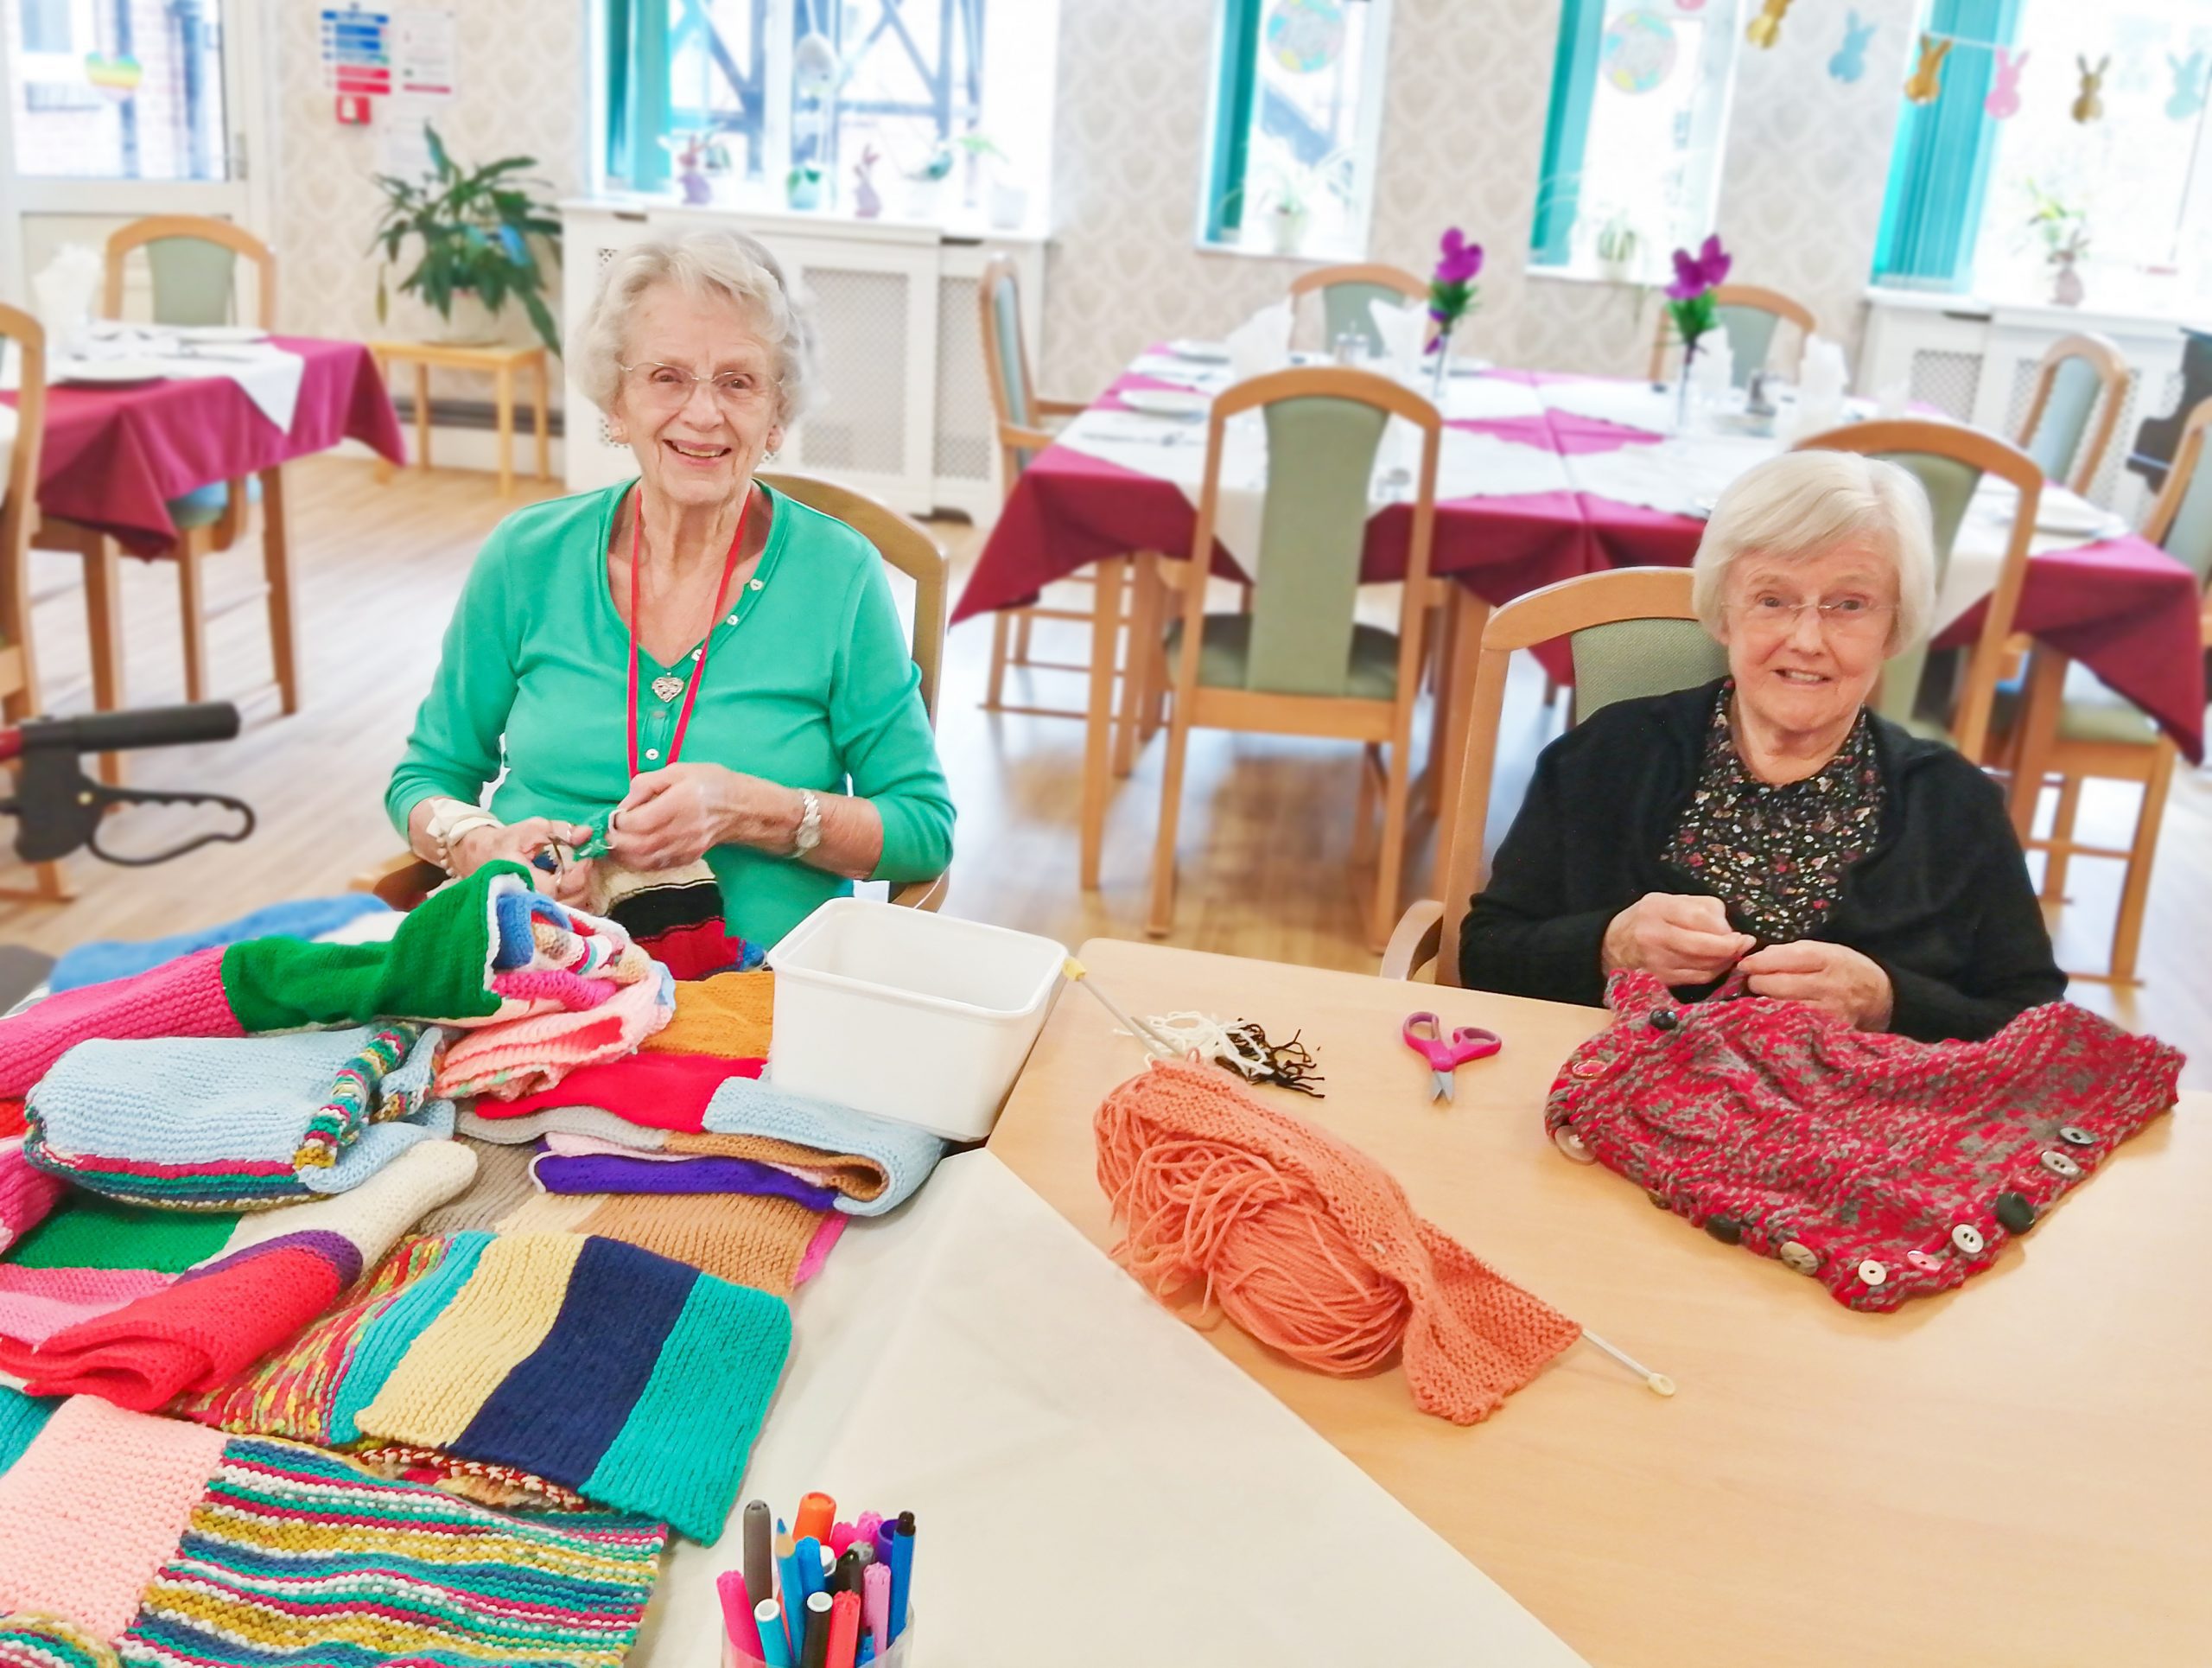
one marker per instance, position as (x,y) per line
(502,360)
(2019,1473)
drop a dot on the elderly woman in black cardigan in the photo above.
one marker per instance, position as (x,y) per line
(1770,825)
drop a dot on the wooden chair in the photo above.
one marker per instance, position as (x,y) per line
(22,339)
(905,546)
(1298,662)
(1632,632)
(1749,317)
(1349,292)
(2078,728)
(1949,461)
(2080,377)
(1021,415)
(194,263)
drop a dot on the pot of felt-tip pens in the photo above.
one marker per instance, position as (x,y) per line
(819,1593)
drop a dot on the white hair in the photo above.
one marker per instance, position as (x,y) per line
(1802,505)
(728,265)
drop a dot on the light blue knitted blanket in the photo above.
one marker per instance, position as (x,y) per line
(908,1153)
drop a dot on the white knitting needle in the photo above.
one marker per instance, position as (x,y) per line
(1658,1383)
(1081,975)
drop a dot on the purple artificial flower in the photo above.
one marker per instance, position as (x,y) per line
(1460,260)
(1695,274)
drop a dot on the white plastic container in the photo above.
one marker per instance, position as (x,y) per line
(908,1015)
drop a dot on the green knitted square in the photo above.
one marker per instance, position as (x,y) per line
(88,1231)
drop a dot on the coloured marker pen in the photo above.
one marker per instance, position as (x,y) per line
(846,1578)
(816,1513)
(810,1569)
(884,1531)
(737,1614)
(841,1535)
(844,1630)
(902,1573)
(759,1570)
(875,1605)
(768,1617)
(817,1632)
(791,1590)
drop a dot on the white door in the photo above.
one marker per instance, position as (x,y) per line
(117,109)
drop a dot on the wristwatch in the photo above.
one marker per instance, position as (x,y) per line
(809,824)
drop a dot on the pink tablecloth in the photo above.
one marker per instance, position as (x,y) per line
(2123,607)
(114,457)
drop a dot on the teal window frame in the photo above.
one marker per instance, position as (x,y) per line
(1236,71)
(1566,131)
(1945,151)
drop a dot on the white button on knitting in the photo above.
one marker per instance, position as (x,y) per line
(753,585)
(1968,1239)
(732,621)
(1873,1273)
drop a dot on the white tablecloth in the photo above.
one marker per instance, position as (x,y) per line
(7,445)
(270,375)
(1095,1486)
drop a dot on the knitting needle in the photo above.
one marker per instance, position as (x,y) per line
(1658,1383)
(1081,975)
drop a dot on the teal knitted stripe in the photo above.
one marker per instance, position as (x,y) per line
(22,1418)
(377,1349)
(681,1454)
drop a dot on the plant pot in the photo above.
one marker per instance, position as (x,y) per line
(2066,289)
(802,191)
(470,324)
(1285,227)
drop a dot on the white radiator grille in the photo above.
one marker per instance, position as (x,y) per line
(1950,382)
(859,418)
(965,427)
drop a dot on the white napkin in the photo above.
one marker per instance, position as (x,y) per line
(63,295)
(1713,373)
(1402,330)
(1821,382)
(1262,343)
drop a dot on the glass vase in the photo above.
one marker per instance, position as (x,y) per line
(1683,414)
(1440,379)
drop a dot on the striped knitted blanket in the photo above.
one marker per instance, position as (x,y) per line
(634,1380)
(237,1123)
(483,950)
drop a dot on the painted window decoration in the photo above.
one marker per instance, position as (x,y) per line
(1289,163)
(936,110)
(1632,145)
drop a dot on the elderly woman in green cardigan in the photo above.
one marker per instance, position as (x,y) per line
(719,668)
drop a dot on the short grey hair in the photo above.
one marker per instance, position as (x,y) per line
(1804,504)
(707,262)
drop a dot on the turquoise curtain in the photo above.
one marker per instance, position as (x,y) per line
(1939,167)
(637,92)
(1237,71)
(1566,133)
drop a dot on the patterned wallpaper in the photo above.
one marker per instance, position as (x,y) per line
(1462,141)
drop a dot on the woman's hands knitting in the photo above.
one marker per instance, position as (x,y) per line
(1833,979)
(1677,939)
(520,843)
(675,816)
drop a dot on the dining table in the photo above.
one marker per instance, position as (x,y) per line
(1543,476)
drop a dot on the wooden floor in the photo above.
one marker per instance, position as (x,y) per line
(1266,825)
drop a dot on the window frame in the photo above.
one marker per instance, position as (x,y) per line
(1233,83)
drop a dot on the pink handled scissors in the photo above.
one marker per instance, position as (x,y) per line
(1424,1034)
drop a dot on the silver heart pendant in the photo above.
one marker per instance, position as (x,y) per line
(668,688)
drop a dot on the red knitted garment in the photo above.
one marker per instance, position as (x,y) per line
(1309,1244)
(1886,1169)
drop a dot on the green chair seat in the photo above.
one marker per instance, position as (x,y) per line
(1225,656)
(203,506)
(2087,712)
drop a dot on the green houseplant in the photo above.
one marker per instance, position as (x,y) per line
(476,228)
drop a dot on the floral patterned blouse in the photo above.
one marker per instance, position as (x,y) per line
(1777,852)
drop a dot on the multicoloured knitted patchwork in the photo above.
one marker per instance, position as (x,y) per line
(1885,1168)
(356,1098)
(470,955)
(294,1556)
(33,1641)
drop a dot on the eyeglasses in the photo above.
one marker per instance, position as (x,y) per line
(668,387)
(1844,617)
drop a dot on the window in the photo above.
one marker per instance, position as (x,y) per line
(953,96)
(2139,172)
(1297,113)
(1632,148)
(48,25)
(110,89)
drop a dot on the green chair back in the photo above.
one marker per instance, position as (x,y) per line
(195,281)
(1350,307)
(1313,526)
(1627,659)
(1750,331)
(1006,323)
(2075,386)
(1950,487)
(2189,536)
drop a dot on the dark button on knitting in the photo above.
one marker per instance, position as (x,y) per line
(1664,1019)
(2014,1211)
(1657,1198)
(1795,1254)
(2074,1136)
(1726,1229)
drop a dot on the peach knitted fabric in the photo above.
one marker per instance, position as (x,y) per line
(727,1015)
(523,1056)
(1309,1244)
(744,1238)
(95,1507)
(853,1175)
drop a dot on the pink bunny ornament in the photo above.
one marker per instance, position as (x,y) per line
(2004,100)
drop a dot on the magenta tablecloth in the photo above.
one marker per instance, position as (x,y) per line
(2123,607)
(114,457)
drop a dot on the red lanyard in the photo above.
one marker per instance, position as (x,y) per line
(698,671)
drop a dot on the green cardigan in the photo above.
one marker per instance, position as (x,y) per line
(811,683)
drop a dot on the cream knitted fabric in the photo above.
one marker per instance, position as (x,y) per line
(502,1182)
(376,1214)
(95,1507)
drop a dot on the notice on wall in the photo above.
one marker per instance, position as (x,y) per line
(357,52)
(403,137)
(424,54)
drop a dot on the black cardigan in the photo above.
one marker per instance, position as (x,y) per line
(1941,903)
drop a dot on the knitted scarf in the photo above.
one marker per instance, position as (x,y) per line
(483,950)
(904,1152)
(660,1091)
(1884,1168)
